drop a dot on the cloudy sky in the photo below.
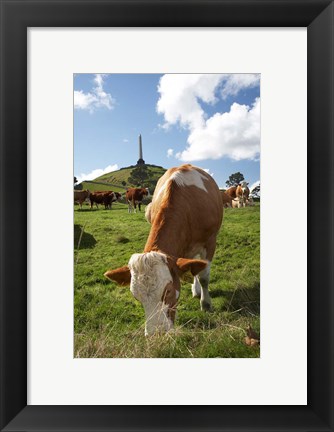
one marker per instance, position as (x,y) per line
(211,120)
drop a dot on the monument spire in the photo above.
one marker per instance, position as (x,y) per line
(140,160)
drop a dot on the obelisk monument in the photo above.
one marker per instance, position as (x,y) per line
(140,160)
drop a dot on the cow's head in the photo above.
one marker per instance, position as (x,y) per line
(154,280)
(116,196)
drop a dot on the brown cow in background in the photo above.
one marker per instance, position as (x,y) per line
(135,196)
(104,197)
(242,192)
(81,196)
(227,200)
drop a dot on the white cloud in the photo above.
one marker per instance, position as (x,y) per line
(97,98)
(125,140)
(235,134)
(170,152)
(254,185)
(234,83)
(179,94)
(97,173)
(257,183)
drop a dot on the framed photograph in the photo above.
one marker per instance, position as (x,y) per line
(188,78)
(153,177)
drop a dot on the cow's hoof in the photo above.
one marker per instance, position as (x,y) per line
(205,306)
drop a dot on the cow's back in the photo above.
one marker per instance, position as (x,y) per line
(187,196)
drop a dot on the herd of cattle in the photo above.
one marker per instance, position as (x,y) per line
(235,197)
(133,196)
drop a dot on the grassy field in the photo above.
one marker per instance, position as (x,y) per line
(109,322)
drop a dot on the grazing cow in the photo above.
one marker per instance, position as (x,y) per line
(186,214)
(81,196)
(242,192)
(112,197)
(102,197)
(227,200)
(135,196)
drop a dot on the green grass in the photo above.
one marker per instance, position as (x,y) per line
(92,187)
(109,322)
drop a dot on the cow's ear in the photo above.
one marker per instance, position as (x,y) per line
(195,266)
(122,275)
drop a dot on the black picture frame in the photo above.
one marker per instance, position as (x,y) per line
(16,17)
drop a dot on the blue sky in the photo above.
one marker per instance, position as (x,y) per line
(212,121)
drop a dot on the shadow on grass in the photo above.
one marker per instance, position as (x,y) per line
(83,210)
(87,241)
(244,299)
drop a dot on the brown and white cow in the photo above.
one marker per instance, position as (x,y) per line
(242,192)
(186,215)
(81,196)
(135,196)
(114,197)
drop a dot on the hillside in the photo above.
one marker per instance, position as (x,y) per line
(114,179)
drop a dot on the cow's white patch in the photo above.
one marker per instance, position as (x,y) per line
(149,276)
(184,178)
(161,191)
(177,294)
(189,178)
(203,279)
(196,287)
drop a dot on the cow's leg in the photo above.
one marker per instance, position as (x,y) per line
(130,207)
(134,206)
(139,205)
(196,288)
(204,277)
